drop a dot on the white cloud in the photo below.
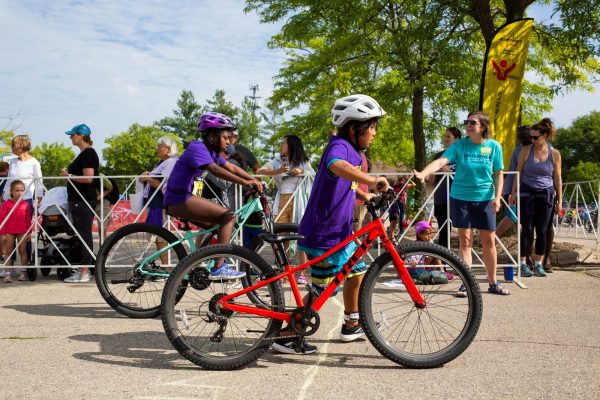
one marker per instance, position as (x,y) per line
(112,63)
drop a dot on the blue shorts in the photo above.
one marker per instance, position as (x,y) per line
(324,272)
(473,214)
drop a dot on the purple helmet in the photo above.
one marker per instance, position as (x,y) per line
(215,120)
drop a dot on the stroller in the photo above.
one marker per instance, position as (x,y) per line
(56,239)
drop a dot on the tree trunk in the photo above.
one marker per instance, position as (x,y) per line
(418,138)
(417,128)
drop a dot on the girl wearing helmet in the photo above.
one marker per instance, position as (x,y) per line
(330,208)
(186,179)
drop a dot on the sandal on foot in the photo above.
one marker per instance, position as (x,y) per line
(497,288)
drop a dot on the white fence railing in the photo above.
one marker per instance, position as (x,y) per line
(121,214)
(578,221)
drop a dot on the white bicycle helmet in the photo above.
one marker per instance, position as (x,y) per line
(358,107)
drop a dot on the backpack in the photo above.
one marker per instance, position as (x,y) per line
(113,196)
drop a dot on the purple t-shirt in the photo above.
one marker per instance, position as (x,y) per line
(330,208)
(190,165)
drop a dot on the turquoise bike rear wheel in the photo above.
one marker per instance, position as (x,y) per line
(128,289)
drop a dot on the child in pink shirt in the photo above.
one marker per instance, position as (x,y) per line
(14,226)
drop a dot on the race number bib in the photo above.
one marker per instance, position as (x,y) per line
(199,184)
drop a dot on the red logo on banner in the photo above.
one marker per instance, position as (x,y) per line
(501,70)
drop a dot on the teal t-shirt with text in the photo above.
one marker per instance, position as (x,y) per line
(475,167)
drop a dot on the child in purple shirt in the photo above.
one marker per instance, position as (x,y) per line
(330,209)
(187,179)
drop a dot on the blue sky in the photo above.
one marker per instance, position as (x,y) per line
(112,63)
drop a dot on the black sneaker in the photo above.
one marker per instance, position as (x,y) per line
(351,334)
(288,346)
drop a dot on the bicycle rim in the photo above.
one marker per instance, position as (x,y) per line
(128,290)
(199,329)
(427,337)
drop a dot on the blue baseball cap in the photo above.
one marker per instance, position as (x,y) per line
(81,129)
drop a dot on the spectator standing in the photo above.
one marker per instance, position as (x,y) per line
(248,159)
(398,208)
(82,194)
(3,179)
(540,192)
(15,218)
(441,197)
(524,140)
(292,189)
(475,193)
(167,153)
(27,169)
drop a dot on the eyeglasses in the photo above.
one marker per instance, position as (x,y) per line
(471,122)
(534,137)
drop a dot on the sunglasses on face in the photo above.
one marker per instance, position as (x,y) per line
(532,137)
(471,122)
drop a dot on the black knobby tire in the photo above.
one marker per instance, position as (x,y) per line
(115,269)
(63,273)
(32,274)
(187,323)
(255,246)
(420,338)
(45,271)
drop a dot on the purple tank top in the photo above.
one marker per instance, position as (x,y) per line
(538,175)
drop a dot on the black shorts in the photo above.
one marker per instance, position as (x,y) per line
(473,214)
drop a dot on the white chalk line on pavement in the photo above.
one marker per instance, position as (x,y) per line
(312,372)
(166,398)
(186,382)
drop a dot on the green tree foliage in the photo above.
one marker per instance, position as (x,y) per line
(219,103)
(5,140)
(420,59)
(6,137)
(53,157)
(251,128)
(580,142)
(183,123)
(133,151)
(246,117)
(584,171)
(409,56)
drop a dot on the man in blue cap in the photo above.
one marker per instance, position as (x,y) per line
(81,192)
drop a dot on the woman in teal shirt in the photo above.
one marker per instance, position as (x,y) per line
(476,191)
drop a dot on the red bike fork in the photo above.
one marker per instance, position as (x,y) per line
(411,288)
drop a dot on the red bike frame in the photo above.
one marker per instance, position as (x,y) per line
(375,229)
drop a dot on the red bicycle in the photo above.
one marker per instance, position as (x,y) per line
(419,323)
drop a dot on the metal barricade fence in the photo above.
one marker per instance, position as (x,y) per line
(578,221)
(425,212)
(121,214)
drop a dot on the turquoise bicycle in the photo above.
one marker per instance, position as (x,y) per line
(133,263)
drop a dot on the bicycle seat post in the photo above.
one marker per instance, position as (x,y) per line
(280,255)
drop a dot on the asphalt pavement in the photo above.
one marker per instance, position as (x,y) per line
(61,340)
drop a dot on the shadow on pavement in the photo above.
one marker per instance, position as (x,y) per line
(81,310)
(148,349)
(151,349)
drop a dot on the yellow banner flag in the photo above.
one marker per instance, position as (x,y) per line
(502,81)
